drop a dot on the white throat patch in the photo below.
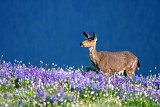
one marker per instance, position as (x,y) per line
(91,48)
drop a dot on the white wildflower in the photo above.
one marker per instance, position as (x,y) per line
(92,92)
(85,95)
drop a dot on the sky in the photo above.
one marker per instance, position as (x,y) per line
(51,31)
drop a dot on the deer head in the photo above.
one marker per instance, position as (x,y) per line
(90,41)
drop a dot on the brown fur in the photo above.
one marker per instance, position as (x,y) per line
(110,62)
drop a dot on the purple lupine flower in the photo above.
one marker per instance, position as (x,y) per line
(60,94)
(135,78)
(144,81)
(75,101)
(128,89)
(40,92)
(20,102)
(133,89)
(18,89)
(87,83)
(79,87)
(135,95)
(25,88)
(5,96)
(140,89)
(54,99)
(148,92)
(121,81)
(127,97)
(61,98)
(121,94)
(71,98)
(94,85)
(100,77)
(114,88)
(11,85)
(4,81)
(158,99)
(31,100)
(72,85)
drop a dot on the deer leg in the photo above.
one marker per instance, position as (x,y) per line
(104,71)
(131,68)
(124,73)
(130,71)
(97,69)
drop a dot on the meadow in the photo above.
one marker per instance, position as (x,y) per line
(28,86)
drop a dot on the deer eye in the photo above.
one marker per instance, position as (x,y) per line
(90,40)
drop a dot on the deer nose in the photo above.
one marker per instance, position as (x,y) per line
(81,44)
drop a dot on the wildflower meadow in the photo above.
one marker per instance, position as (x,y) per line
(30,86)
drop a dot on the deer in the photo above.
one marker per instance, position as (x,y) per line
(110,62)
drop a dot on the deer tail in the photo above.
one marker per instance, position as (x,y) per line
(138,65)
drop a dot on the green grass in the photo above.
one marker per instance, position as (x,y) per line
(87,99)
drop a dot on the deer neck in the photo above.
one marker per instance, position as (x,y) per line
(93,54)
(92,50)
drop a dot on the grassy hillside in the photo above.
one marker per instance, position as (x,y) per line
(33,86)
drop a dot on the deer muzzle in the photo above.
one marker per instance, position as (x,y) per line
(81,44)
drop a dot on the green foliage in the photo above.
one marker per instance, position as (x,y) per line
(4,88)
(90,69)
(135,82)
(19,84)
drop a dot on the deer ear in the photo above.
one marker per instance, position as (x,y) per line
(86,35)
(94,36)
